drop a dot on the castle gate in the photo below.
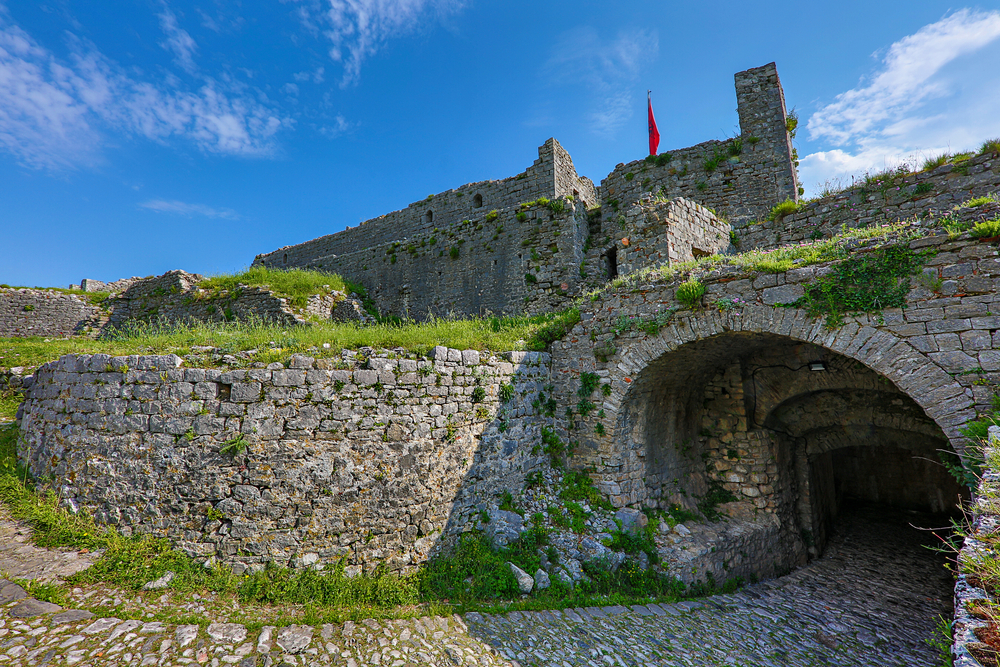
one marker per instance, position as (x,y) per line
(748,407)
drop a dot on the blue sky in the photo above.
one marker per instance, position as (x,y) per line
(147,135)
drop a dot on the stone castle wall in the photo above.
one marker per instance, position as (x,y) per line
(39,312)
(367,459)
(655,233)
(551,176)
(751,172)
(927,193)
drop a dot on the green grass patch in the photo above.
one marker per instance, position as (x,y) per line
(277,342)
(296,285)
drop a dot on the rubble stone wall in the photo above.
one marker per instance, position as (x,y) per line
(364,459)
(740,178)
(40,312)
(932,193)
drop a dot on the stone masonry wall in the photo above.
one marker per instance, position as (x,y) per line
(655,233)
(925,194)
(38,312)
(552,175)
(476,266)
(751,173)
(372,459)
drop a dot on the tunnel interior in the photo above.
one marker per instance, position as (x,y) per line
(757,424)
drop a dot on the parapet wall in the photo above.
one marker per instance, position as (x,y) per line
(552,175)
(366,459)
(740,178)
(39,312)
(925,194)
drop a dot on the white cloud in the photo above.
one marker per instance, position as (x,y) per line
(358,29)
(609,68)
(936,90)
(316,75)
(188,210)
(178,41)
(55,112)
(339,126)
(290,89)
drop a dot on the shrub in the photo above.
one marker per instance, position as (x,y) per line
(990,146)
(988,229)
(454,252)
(492,215)
(690,292)
(784,208)
(992,198)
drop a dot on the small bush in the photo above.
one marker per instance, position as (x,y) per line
(506,393)
(690,292)
(988,229)
(478,395)
(530,278)
(492,215)
(29,307)
(786,207)
(990,146)
(992,198)
(454,252)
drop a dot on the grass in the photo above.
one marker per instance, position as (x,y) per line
(778,260)
(786,207)
(297,285)
(276,343)
(470,576)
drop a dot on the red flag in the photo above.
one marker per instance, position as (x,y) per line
(654,134)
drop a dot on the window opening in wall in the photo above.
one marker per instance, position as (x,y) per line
(477,201)
(284,259)
(699,253)
(611,257)
(429,217)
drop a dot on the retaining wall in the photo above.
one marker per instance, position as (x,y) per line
(367,459)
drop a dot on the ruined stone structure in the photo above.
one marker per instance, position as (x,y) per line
(32,312)
(479,249)
(735,403)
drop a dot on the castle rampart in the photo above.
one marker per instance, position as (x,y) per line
(497,269)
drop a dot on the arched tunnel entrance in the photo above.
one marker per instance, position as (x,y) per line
(766,429)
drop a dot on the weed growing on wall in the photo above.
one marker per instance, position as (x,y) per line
(786,207)
(690,292)
(867,283)
(987,229)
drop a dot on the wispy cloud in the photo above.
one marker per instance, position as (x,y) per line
(608,67)
(177,41)
(358,29)
(935,90)
(337,128)
(56,112)
(189,210)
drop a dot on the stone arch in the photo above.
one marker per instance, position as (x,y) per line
(477,201)
(429,217)
(758,403)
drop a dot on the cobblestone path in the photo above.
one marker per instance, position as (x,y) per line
(872,600)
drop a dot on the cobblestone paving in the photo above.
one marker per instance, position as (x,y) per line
(871,601)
